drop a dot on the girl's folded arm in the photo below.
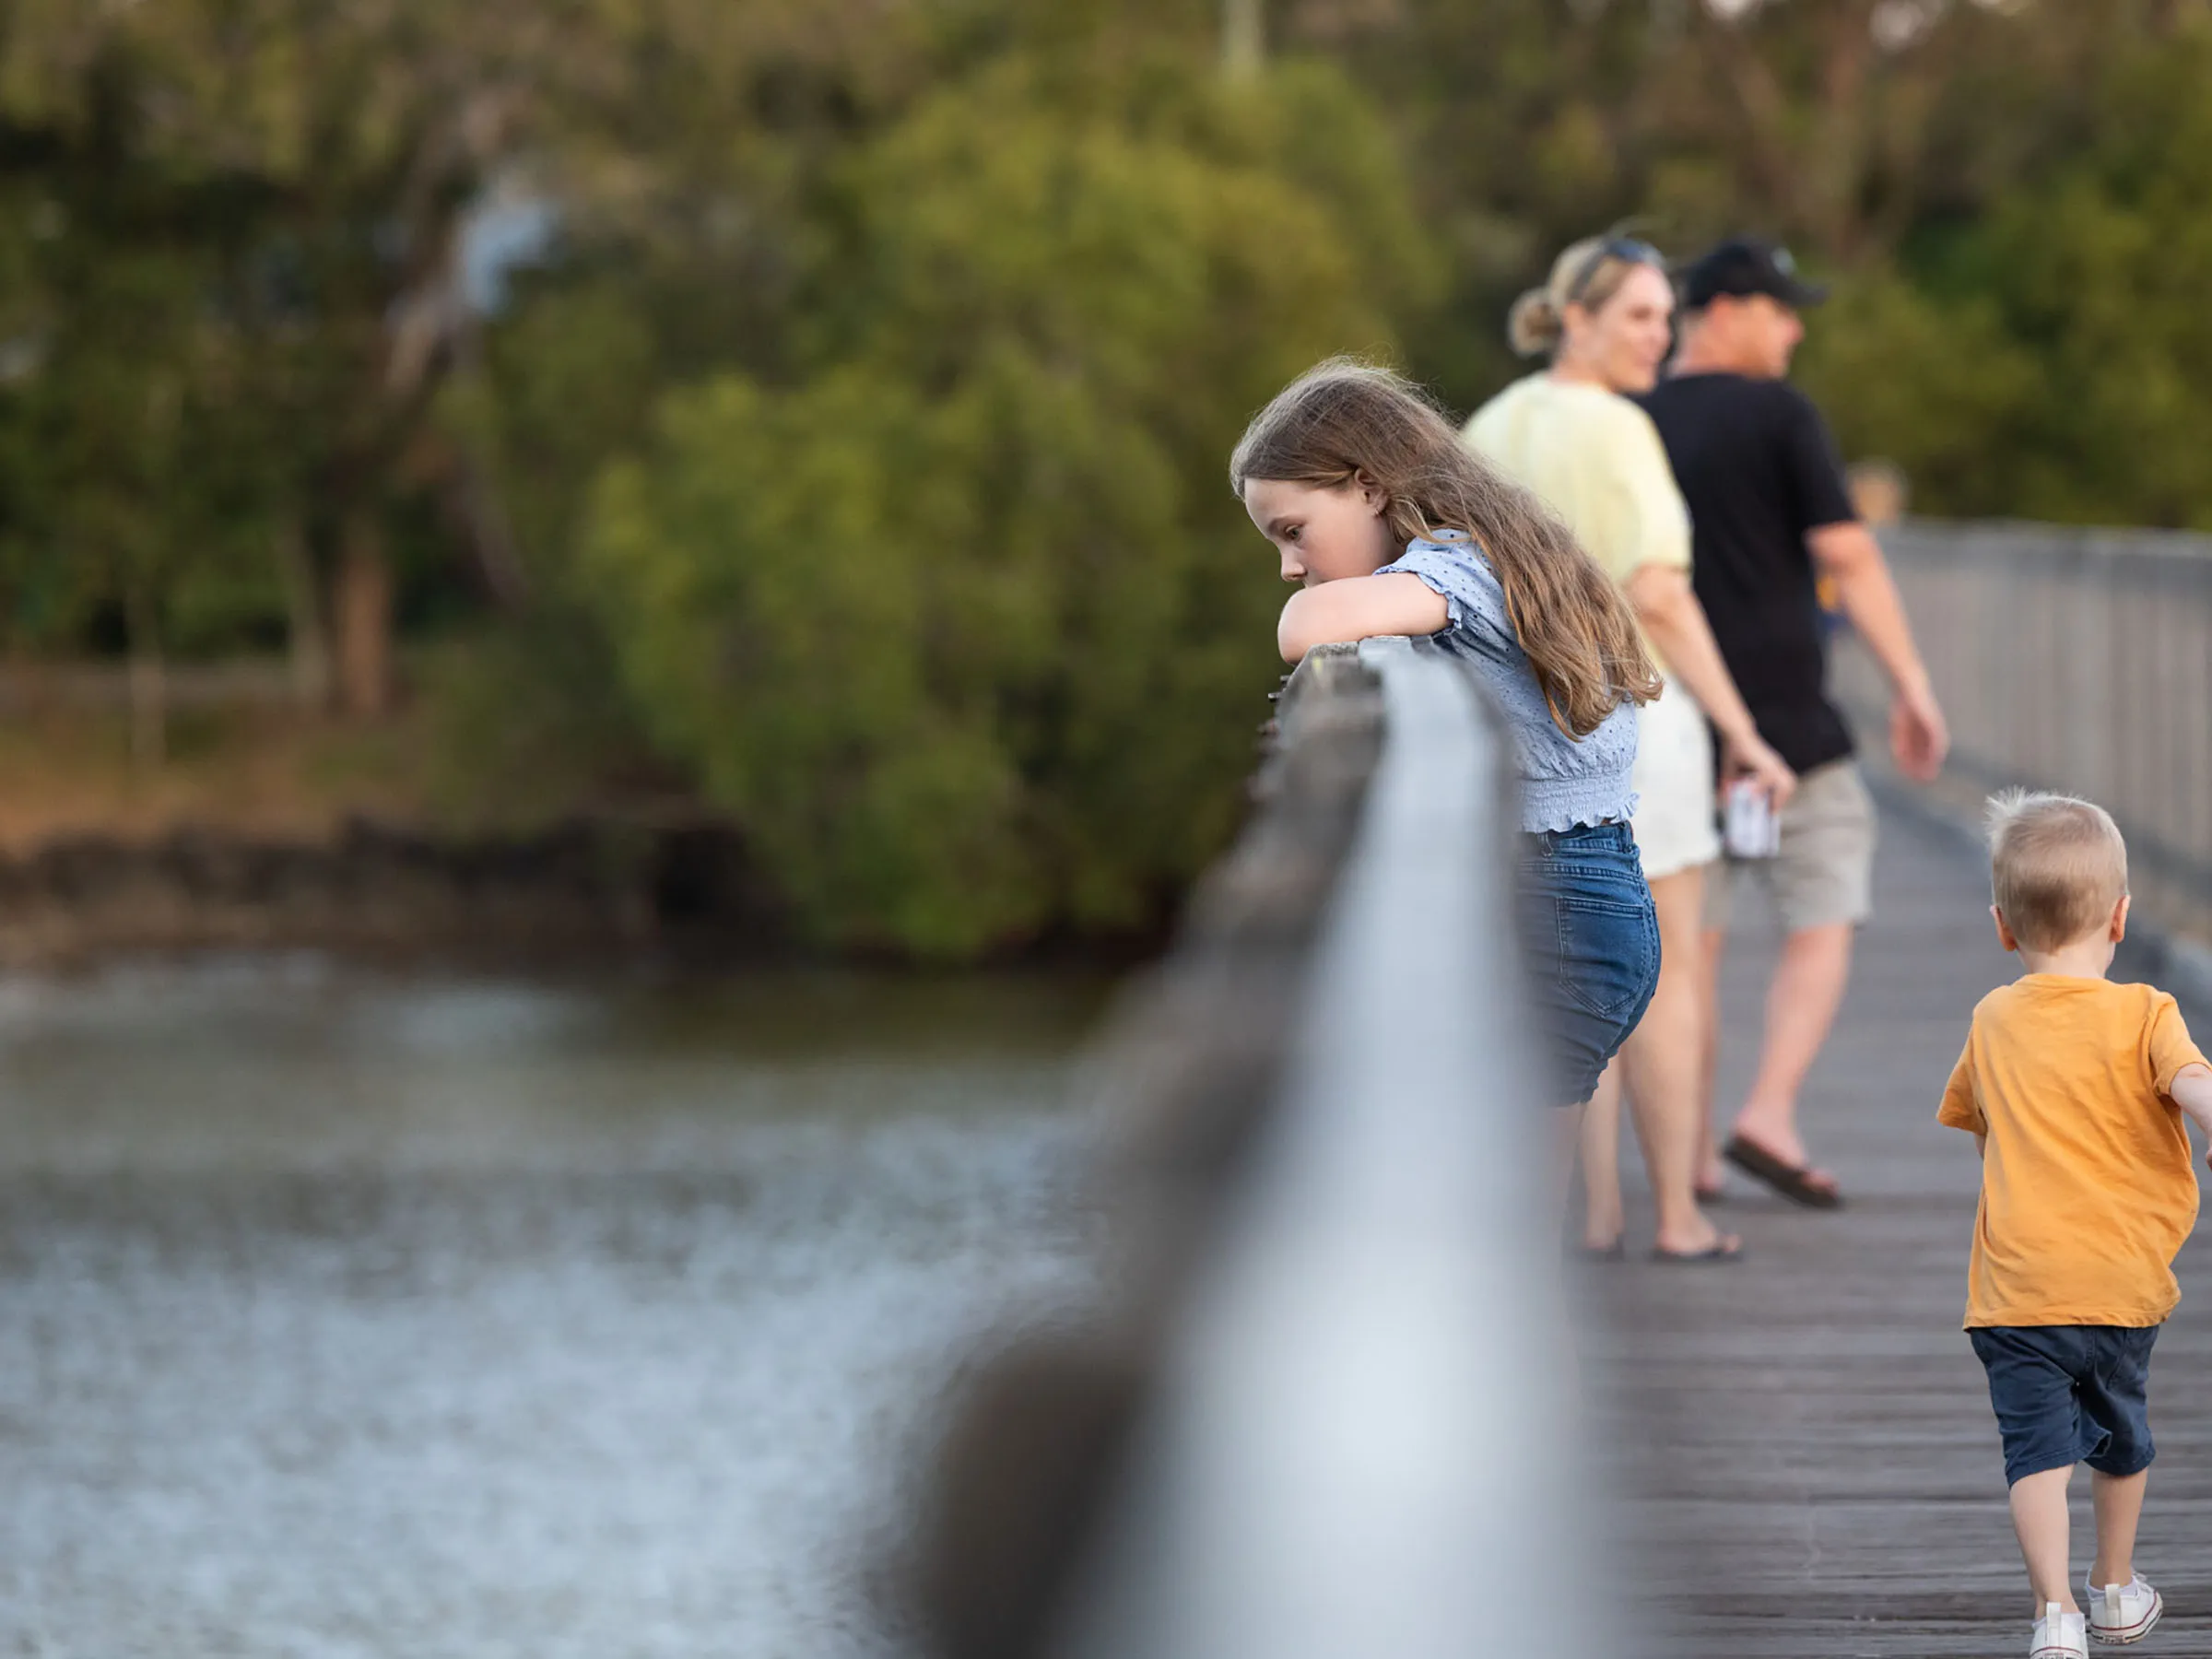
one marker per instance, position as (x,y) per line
(1358,607)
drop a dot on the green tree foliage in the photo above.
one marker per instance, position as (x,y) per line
(297,181)
(1848,127)
(963,625)
(2006,194)
(129,486)
(2052,358)
(1941,388)
(856,444)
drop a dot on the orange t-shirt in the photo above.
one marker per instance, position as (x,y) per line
(2088,1190)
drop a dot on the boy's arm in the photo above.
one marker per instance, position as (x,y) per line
(1358,607)
(2191,1091)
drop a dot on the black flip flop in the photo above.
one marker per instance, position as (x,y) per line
(1788,1179)
(1723,1248)
(1616,1252)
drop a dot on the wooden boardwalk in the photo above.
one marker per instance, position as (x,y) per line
(1804,1439)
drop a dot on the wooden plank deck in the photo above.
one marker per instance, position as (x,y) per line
(1803,1440)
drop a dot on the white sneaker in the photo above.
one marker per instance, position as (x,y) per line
(2059,1635)
(2123,1613)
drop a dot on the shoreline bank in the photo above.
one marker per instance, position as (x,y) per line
(588,891)
(376,888)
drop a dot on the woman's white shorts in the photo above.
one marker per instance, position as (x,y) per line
(1675,809)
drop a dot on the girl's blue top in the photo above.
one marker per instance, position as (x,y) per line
(1563,782)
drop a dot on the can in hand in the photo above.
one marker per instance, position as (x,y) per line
(1750,828)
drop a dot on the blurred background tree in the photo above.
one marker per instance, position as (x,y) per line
(817,408)
(956,622)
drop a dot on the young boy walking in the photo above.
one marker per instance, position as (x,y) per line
(2074,1088)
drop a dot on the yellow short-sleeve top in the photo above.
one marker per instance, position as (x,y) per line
(1596,459)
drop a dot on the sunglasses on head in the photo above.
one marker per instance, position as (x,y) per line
(1614,247)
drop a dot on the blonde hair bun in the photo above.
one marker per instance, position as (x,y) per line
(1589,272)
(1533,326)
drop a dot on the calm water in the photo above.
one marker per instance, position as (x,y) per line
(350,1316)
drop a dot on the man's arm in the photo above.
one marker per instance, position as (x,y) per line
(1848,554)
(1667,606)
(1358,607)
(2191,1091)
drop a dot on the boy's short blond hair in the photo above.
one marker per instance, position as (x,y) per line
(2057,865)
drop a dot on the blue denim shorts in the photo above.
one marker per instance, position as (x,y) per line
(2070,1393)
(1589,946)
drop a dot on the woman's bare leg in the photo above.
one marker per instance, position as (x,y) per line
(1664,1065)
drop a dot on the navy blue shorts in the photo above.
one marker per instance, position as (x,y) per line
(2070,1393)
(1589,948)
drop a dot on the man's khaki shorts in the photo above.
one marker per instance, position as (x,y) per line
(1825,870)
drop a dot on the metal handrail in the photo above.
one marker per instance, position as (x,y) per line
(1346,1428)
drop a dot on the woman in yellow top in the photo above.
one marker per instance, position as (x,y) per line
(1571,435)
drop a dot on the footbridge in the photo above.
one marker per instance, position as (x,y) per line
(1345,1400)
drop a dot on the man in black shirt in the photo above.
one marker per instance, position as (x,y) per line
(1770,515)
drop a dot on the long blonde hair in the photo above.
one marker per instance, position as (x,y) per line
(1344,420)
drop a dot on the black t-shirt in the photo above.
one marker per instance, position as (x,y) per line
(1756,465)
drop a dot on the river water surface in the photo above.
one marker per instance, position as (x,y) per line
(347,1315)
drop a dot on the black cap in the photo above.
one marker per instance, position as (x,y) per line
(1744,265)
